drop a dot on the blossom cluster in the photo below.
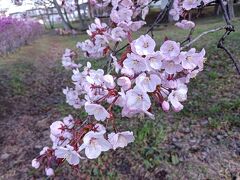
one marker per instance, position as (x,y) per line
(144,76)
(143,73)
(66,135)
(124,20)
(17,32)
(180,7)
(68,5)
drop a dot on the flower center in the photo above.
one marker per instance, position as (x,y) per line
(170,48)
(189,58)
(145,45)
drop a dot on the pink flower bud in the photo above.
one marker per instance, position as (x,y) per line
(165,106)
(35,163)
(49,171)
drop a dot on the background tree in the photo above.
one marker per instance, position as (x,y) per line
(48,11)
(66,24)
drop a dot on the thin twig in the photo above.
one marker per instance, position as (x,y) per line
(109,62)
(126,45)
(226,18)
(201,35)
(160,16)
(231,57)
(189,37)
(84,122)
(229,28)
(221,46)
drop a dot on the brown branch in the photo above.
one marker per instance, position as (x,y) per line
(121,48)
(225,15)
(157,20)
(160,16)
(221,46)
(189,37)
(107,66)
(203,34)
(229,28)
(111,59)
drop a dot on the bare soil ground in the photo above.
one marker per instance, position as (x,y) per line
(201,142)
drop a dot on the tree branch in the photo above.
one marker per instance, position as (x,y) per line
(160,16)
(221,46)
(201,35)
(157,20)
(229,28)
(189,37)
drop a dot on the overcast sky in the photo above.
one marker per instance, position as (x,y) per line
(27,4)
(11,8)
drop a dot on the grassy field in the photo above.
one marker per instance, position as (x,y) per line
(200,142)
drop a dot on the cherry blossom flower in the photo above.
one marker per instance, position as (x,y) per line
(57,128)
(177,96)
(171,67)
(154,61)
(124,82)
(120,139)
(94,144)
(137,99)
(190,4)
(148,83)
(184,24)
(72,98)
(131,26)
(69,121)
(99,112)
(135,62)
(117,34)
(170,49)
(108,81)
(68,153)
(123,14)
(191,59)
(175,13)
(144,45)
(67,61)
(96,26)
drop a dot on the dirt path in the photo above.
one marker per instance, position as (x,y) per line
(30,87)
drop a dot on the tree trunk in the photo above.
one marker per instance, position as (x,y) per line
(230,9)
(43,19)
(216,9)
(82,25)
(49,18)
(65,24)
(90,11)
(68,21)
